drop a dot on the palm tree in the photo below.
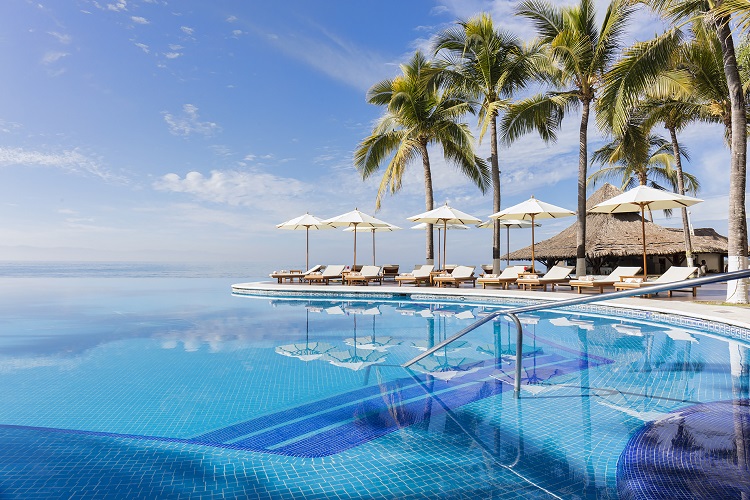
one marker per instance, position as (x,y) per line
(670,94)
(717,14)
(638,157)
(579,55)
(491,66)
(419,114)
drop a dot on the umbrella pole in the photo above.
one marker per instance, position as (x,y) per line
(643,239)
(438,247)
(532,244)
(307,247)
(445,239)
(508,246)
(373,246)
(355,249)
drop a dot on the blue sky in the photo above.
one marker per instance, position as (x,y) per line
(156,130)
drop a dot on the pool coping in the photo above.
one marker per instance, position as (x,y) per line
(733,322)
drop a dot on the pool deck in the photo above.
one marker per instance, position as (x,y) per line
(682,303)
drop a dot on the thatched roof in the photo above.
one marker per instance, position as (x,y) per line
(620,235)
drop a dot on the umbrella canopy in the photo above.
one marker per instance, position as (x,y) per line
(423,226)
(531,210)
(305,222)
(444,215)
(355,219)
(639,199)
(373,230)
(507,224)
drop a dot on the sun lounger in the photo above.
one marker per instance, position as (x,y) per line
(390,271)
(673,275)
(421,275)
(365,276)
(328,274)
(556,275)
(461,274)
(604,281)
(292,274)
(504,279)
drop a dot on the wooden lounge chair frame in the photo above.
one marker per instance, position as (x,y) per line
(294,274)
(504,279)
(421,275)
(330,273)
(365,276)
(461,274)
(556,275)
(606,281)
(679,274)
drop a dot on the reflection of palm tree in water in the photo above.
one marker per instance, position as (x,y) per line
(740,368)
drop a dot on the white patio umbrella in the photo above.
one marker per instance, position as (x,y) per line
(639,199)
(507,224)
(355,219)
(531,210)
(305,222)
(388,228)
(449,227)
(444,215)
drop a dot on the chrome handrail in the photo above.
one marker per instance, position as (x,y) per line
(511,313)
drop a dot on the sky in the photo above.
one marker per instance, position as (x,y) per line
(160,130)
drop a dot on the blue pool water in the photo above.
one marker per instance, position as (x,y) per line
(171,387)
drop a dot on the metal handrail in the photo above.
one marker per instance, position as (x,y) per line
(511,313)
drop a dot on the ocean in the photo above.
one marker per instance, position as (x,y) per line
(237,271)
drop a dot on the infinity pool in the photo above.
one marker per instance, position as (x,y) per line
(175,388)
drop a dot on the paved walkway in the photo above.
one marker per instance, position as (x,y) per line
(680,303)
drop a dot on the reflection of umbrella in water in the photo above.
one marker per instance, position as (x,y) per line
(445,364)
(580,323)
(372,342)
(354,359)
(306,351)
(444,367)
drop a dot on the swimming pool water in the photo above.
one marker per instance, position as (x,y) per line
(174,388)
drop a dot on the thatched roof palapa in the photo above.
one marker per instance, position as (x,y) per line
(618,235)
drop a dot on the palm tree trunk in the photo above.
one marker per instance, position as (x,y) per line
(681,189)
(429,201)
(495,197)
(582,175)
(737,289)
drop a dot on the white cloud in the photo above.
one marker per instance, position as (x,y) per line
(232,19)
(139,20)
(52,57)
(247,188)
(62,38)
(172,55)
(118,6)
(189,123)
(338,58)
(187,30)
(143,47)
(72,161)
